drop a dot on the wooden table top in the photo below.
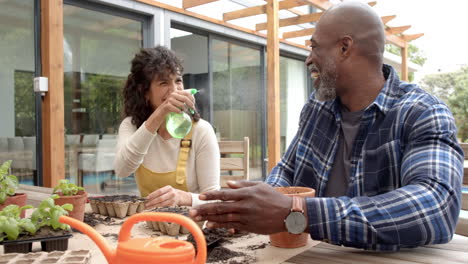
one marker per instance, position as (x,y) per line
(456,251)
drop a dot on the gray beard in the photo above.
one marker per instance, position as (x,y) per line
(326,89)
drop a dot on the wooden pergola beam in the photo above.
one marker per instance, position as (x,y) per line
(325,4)
(404,62)
(314,17)
(395,40)
(261,9)
(193,3)
(273,84)
(398,30)
(299,33)
(412,37)
(53,124)
(320,4)
(386,19)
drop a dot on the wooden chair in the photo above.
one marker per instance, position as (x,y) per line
(231,164)
(462,225)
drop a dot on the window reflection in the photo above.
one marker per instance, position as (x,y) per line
(293,95)
(237,97)
(97,51)
(17,104)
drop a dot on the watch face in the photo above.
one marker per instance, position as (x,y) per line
(295,222)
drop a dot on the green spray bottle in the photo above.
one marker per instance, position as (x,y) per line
(179,124)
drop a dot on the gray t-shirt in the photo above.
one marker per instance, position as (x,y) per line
(339,176)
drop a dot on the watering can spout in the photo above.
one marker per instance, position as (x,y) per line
(100,241)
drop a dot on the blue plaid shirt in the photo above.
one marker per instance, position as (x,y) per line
(406,170)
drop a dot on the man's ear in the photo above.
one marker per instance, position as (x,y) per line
(346,44)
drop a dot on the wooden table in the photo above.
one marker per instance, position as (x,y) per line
(456,251)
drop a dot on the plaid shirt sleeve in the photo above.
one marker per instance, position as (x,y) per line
(424,210)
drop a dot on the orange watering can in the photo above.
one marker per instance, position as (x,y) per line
(148,250)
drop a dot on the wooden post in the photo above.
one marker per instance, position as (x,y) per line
(404,62)
(53,105)
(273,82)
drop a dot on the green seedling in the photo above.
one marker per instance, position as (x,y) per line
(47,214)
(11,225)
(8,183)
(67,188)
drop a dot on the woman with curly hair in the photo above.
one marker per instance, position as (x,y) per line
(168,171)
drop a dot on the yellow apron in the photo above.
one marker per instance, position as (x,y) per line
(148,181)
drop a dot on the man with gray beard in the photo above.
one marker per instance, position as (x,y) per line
(382,154)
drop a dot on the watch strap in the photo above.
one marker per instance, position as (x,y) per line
(297,204)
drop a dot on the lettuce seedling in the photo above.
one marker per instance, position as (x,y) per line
(8,183)
(11,225)
(67,188)
(48,214)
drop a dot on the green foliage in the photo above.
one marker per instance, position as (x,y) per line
(452,88)
(47,214)
(11,225)
(415,55)
(8,183)
(67,188)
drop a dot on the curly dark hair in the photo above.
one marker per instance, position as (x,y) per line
(148,63)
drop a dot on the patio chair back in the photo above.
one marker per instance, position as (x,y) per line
(234,163)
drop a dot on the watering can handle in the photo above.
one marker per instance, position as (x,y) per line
(125,231)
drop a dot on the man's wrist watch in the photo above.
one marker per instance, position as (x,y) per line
(296,221)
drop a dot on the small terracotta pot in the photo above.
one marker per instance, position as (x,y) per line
(78,201)
(286,239)
(19,199)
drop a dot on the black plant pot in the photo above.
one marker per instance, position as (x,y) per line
(17,247)
(53,243)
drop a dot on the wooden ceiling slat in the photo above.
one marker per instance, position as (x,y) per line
(314,17)
(261,9)
(412,37)
(299,33)
(320,4)
(396,40)
(386,19)
(192,3)
(398,30)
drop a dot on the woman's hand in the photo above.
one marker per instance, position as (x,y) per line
(168,196)
(175,102)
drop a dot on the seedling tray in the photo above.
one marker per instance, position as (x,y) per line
(118,206)
(168,228)
(48,244)
(65,257)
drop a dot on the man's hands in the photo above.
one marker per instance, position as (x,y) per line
(252,206)
(168,196)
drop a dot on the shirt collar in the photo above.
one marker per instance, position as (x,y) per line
(390,91)
(384,100)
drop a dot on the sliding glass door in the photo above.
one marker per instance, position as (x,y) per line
(99,43)
(18,109)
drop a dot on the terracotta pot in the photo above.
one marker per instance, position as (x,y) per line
(19,199)
(286,239)
(78,201)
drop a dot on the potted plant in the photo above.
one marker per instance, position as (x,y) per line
(8,186)
(17,234)
(285,239)
(72,194)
